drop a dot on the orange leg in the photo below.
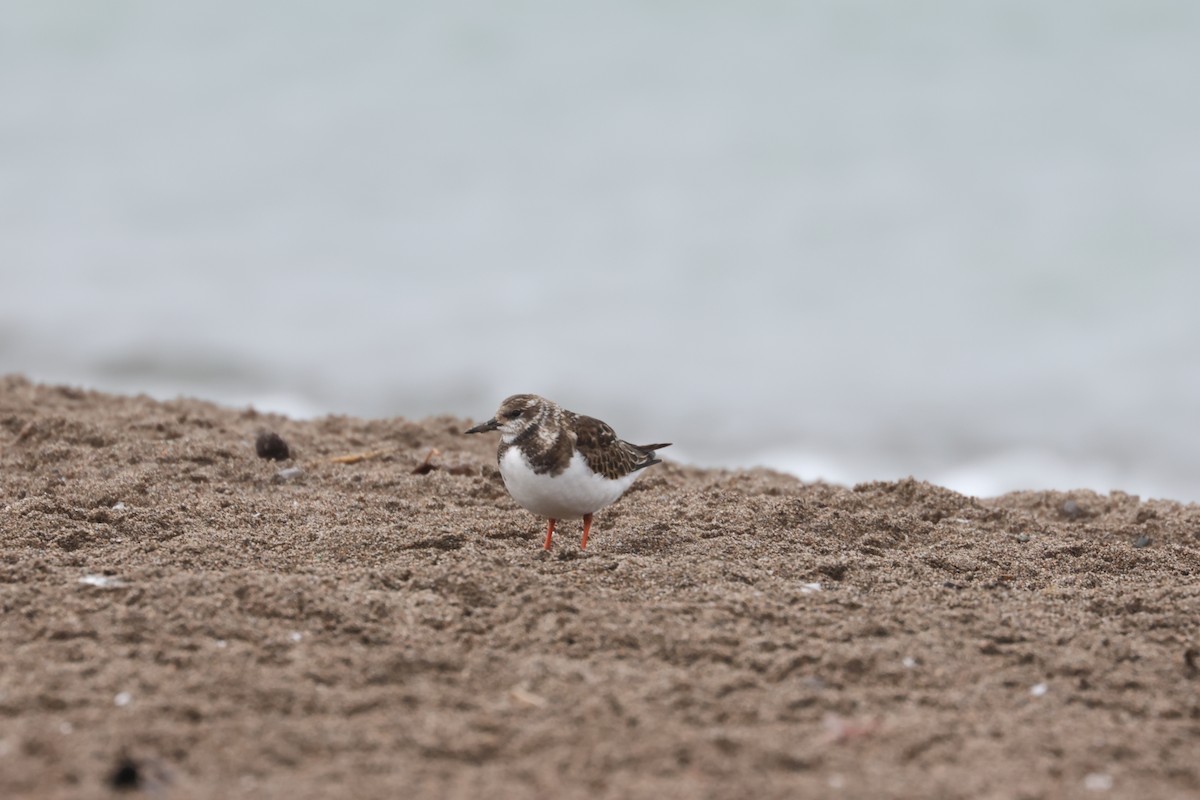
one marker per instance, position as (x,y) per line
(549,534)
(587,526)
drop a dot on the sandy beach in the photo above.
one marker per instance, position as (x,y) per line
(184,618)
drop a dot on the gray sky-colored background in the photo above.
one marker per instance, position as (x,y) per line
(855,240)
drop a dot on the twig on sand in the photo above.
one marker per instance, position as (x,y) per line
(354,458)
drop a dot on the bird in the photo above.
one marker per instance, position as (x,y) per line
(562,465)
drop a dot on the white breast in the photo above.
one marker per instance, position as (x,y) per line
(568,495)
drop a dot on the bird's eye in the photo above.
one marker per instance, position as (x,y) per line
(513,414)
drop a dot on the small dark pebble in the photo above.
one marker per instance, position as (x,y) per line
(1142,541)
(126,776)
(271,446)
(834,571)
(1190,657)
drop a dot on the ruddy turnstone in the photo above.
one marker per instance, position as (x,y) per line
(562,465)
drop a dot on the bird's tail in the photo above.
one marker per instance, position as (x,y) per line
(648,451)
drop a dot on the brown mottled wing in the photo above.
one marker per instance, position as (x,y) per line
(608,455)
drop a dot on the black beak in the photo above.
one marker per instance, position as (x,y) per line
(490,425)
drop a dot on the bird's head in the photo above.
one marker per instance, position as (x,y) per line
(516,415)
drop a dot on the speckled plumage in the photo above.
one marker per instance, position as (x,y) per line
(563,465)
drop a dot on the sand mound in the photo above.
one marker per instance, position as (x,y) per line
(185,617)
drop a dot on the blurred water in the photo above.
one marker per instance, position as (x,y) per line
(856,240)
